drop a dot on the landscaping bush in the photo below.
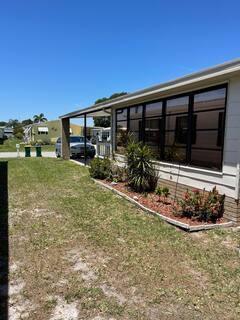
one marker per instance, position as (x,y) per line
(117,174)
(39,142)
(162,191)
(100,168)
(158,192)
(140,171)
(202,205)
(19,135)
(44,142)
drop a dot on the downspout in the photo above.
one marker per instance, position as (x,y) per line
(237,182)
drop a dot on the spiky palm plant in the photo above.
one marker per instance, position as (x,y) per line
(140,171)
(38,118)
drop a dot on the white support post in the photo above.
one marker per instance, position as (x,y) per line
(113,132)
(97,147)
(65,138)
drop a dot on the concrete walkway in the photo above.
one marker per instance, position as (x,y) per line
(45,154)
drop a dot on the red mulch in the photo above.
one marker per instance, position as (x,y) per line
(151,201)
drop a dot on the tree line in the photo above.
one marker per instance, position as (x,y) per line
(105,121)
(39,118)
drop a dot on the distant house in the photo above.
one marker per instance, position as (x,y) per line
(1,135)
(100,134)
(47,132)
(7,132)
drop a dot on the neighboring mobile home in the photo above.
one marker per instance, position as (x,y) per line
(192,124)
(7,132)
(49,131)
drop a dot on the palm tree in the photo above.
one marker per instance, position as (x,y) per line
(39,118)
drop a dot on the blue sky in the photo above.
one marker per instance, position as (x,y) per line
(60,55)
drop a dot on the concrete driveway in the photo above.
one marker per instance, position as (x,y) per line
(45,154)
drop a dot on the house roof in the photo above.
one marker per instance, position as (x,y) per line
(8,129)
(49,123)
(220,72)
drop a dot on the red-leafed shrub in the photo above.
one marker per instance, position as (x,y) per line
(202,205)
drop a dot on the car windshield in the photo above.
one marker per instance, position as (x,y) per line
(76,139)
(73,139)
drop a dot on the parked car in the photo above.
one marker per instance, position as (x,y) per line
(76,147)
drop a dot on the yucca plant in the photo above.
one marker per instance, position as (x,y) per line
(140,171)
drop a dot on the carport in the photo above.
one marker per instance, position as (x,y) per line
(90,112)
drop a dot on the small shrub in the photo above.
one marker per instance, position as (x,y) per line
(43,142)
(19,135)
(53,140)
(100,168)
(39,142)
(124,138)
(117,174)
(165,192)
(46,141)
(140,171)
(158,192)
(202,205)
(162,191)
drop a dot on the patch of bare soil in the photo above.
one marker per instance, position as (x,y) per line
(19,309)
(110,291)
(79,264)
(231,243)
(103,318)
(65,311)
(19,306)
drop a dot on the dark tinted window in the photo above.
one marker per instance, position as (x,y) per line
(178,105)
(181,129)
(121,114)
(187,129)
(76,139)
(121,136)
(209,107)
(210,100)
(153,109)
(136,112)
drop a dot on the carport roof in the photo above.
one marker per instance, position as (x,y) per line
(218,72)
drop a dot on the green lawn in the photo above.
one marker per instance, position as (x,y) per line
(79,247)
(9,145)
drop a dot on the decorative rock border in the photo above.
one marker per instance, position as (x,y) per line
(174,222)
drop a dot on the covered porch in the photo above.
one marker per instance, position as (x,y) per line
(102,148)
(191,124)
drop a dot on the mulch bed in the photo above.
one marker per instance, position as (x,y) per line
(151,201)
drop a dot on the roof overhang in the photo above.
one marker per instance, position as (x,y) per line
(211,76)
(93,111)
